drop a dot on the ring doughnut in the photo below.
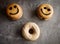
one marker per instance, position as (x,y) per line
(31,31)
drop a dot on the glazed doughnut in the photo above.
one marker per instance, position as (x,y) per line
(45,11)
(31,31)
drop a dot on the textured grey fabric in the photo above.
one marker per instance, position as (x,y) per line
(10,31)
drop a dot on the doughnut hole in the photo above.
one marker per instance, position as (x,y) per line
(31,31)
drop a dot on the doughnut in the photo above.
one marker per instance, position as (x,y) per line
(31,31)
(14,11)
(45,11)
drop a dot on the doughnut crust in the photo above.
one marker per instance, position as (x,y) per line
(31,31)
(45,11)
(14,11)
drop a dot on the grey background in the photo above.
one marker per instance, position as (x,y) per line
(10,31)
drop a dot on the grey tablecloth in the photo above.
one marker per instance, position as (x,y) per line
(10,31)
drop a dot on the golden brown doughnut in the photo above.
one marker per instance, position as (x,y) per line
(14,11)
(45,11)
